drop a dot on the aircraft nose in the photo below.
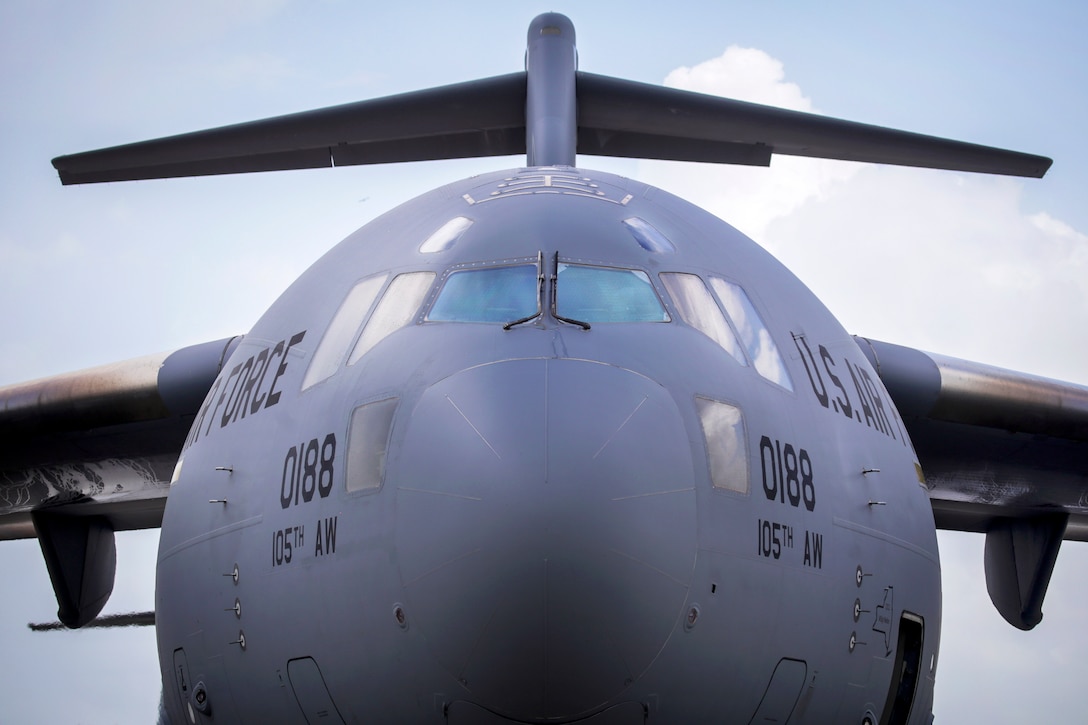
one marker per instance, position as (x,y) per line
(545,530)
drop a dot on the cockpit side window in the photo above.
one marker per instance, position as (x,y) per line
(492,294)
(697,308)
(367,444)
(397,307)
(726,444)
(606,294)
(341,331)
(754,335)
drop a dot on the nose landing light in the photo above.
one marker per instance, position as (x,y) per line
(545,530)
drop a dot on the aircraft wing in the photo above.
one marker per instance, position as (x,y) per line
(1003,453)
(100,443)
(993,443)
(92,452)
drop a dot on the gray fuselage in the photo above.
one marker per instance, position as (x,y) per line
(703,508)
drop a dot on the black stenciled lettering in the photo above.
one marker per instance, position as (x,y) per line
(284,543)
(273,394)
(793,481)
(873,401)
(194,432)
(308,468)
(240,408)
(841,403)
(258,400)
(260,366)
(766,449)
(236,375)
(814,550)
(328,454)
(298,472)
(866,410)
(223,396)
(871,406)
(772,537)
(790,475)
(326,545)
(808,486)
(330,535)
(309,471)
(878,402)
(287,480)
(806,356)
(243,390)
(781,469)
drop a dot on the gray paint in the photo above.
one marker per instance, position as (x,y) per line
(550,109)
(523,530)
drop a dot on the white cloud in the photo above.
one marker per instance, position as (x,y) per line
(748,198)
(746,74)
(949,262)
(1060,230)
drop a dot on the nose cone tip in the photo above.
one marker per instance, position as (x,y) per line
(546,530)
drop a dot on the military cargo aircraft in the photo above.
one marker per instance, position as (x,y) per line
(540,586)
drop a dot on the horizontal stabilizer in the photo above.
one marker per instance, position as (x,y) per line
(642,119)
(478,118)
(488,118)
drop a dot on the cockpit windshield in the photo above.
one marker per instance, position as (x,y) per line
(513,295)
(606,294)
(492,294)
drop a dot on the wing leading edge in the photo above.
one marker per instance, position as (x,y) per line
(1005,454)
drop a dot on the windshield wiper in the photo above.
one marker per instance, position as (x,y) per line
(539,295)
(556,315)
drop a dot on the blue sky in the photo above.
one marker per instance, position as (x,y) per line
(994,270)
